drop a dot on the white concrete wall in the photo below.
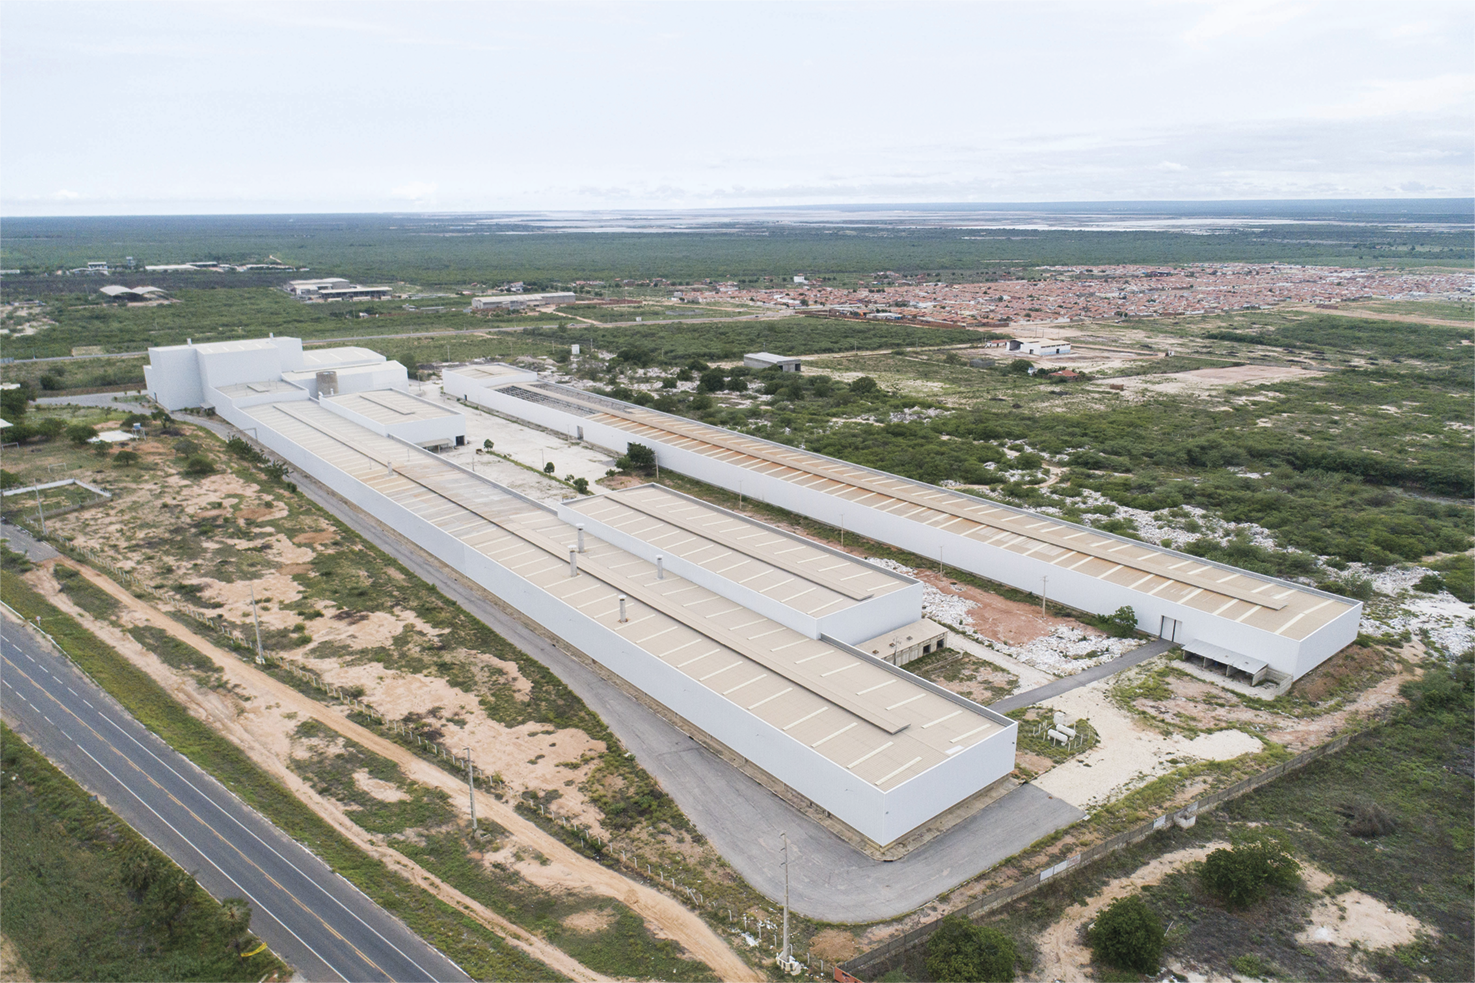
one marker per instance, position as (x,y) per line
(882,816)
(172,377)
(230,367)
(1076,589)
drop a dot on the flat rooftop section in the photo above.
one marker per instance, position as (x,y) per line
(883,725)
(323,359)
(496,373)
(1276,606)
(218,347)
(789,569)
(391,406)
(244,390)
(904,637)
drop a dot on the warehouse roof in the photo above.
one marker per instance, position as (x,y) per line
(792,570)
(880,723)
(1276,606)
(391,406)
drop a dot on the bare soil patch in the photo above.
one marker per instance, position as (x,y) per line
(835,945)
(1355,919)
(314,538)
(591,921)
(378,788)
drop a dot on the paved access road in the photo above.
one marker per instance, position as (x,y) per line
(831,880)
(308,915)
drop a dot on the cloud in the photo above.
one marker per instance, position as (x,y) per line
(1388,97)
(65,195)
(1169,165)
(414,191)
(1243,18)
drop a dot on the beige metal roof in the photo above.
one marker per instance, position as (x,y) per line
(391,406)
(877,723)
(796,572)
(904,637)
(1272,605)
(492,371)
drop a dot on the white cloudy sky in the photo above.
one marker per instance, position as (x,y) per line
(150,108)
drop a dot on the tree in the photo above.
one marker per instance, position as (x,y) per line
(1122,622)
(1128,935)
(642,458)
(863,386)
(51,428)
(80,433)
(712,380)
(962,951)
(1241,875)
(486,445)
(1021,366)
(125,458)
(549,468)
(581,485)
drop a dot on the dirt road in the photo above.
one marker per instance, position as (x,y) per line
(665,915)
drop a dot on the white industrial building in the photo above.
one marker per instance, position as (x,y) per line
(516,302)
(1236,620)
(768,360)
(754,638)
(221,373)
(335,288)
(1038,346)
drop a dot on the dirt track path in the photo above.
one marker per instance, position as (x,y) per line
(1062,956)
(1379,316)
(667,916)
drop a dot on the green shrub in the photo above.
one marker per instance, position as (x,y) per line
(1122,622)
(1240,876)
(962,951)
(641,457)
(198,464)
(864,385)
(80,433)
(1128,935)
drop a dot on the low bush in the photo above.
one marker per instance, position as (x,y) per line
(962,951)
(1128,935)
(1241,875)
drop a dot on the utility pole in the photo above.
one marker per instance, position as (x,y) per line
(41,513)
(1044,584)
(260,659)
(471,788)
(784,956)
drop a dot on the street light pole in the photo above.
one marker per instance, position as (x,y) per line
(260,659)
(785,956)
(1044,585)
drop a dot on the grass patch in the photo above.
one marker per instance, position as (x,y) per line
(84,593)
(87,898)
(479,951)
(332,771)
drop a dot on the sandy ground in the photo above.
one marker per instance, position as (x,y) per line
(1198,380)
(995,617)
(567,869)
(1129,754)
(1062,954)
(1355,919)
(13,968)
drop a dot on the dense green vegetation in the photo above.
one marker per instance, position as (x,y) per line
(455,250)
(87,898)
(479,951)
(1244,873)
(963,952)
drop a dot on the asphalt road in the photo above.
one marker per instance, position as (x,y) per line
(1042,693)
(830,880)
(309,916)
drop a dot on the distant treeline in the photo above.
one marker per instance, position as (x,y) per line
(435,251)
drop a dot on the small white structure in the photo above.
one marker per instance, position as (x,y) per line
(116,292)
(1039,346)
(768,360)
(516,302)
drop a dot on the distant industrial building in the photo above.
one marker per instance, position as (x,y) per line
(1039,347)
(335,288)
(116,292)
(516,302)
(768,360)
(1273,627)
(754,638)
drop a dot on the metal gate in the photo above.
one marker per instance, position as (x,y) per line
(1170,628)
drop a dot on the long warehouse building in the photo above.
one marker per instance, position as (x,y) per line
(748,634)
(1237,620)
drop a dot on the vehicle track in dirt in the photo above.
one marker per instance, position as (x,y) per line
(664,914)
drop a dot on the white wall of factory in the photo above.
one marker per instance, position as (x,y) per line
(1296,657)
(883,816)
